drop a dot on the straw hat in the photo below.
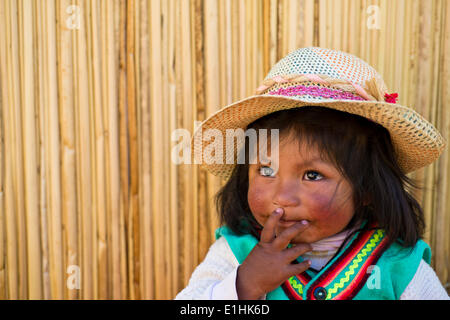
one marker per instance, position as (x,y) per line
(315,76)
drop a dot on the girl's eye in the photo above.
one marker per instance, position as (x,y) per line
(266,171)
(313,175)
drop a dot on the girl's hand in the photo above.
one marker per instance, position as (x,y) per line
(268,265)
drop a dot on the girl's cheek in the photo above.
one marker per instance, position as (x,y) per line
(327,209)
(323,206)
(258,201)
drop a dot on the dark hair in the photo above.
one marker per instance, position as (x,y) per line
(363,153)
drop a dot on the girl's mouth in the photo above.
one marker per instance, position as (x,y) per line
(287,223)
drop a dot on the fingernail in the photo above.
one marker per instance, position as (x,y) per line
(279,210)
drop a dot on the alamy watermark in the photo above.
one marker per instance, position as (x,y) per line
(73,22)
(74,278)
(227,147)
(373,21)
(374,280)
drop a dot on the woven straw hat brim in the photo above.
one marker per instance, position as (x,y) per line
(416,141)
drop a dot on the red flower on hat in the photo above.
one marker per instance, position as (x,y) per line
(391,98)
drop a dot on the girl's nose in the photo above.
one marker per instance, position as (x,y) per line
(287,194)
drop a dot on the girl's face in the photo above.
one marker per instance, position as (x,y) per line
(306,187)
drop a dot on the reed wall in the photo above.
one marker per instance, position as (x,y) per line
(91,205)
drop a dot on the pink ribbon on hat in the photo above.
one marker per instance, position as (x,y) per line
(359,90)
(277,79)
(316,78)
(261,88)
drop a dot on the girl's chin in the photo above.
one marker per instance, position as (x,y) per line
(303,239)
(306,236)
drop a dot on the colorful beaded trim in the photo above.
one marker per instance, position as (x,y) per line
(293,287)
(346,275)
(316,92)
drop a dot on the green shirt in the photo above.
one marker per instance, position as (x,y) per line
(366,268)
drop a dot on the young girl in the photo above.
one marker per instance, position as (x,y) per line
(332,216)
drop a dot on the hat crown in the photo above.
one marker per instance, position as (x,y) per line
(327,78)
(321,61)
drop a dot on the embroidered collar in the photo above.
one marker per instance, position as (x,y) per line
(345,274)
